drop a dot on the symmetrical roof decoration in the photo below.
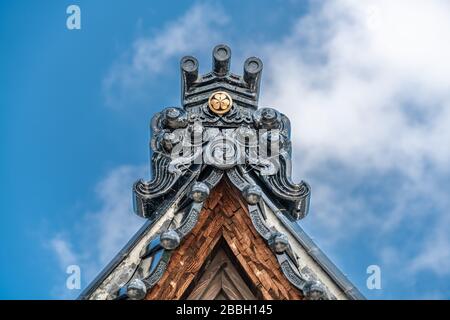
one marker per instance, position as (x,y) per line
(221,199)
(220,130)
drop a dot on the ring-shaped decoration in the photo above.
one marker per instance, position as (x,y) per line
(220,102)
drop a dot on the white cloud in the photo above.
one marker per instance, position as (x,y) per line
(63,251)
(366,86)
(66,256)
(101,233)
(196,30)
(435,254)
(114,222)
(377,96)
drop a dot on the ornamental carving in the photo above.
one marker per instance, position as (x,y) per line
(220,126)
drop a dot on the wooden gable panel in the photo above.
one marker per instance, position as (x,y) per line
(224,218)
(221,280)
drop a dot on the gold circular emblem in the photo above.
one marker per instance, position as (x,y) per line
(220,102)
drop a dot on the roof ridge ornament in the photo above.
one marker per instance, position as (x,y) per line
(220,126)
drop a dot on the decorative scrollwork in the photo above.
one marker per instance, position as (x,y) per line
(312,289)
(258,222)
(190,221)
(292,275)
(222,153)
(159,271)
(295,196)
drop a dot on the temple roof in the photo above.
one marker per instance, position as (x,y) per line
(221,194)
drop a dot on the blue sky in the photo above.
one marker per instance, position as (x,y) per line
(365,83)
